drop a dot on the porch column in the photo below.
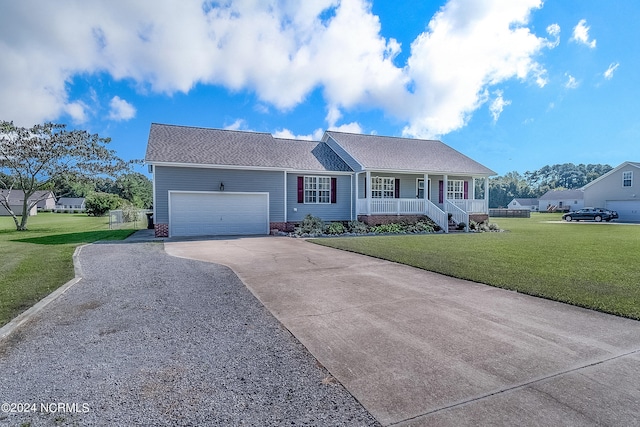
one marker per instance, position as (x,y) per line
(486,195)
(426,190)
(445,185)
(473,188)
(367,185)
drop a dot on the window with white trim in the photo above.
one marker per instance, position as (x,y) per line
(317,189)
(627,178)
(383,187)
(455,189)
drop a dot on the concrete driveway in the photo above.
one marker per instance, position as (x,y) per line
(417,348)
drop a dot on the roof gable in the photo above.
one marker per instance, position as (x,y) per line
(611,172)
(405,154)
(202,146)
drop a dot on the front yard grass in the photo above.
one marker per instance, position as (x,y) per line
(38,261)
(586,264)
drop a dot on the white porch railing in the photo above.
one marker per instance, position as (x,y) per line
(469,205)
(437,215)
(391,206)
(457,214)
(459,209)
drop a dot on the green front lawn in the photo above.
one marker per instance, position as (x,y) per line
(38,261)
(585,264)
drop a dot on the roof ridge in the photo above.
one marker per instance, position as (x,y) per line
(217,129)
(383,136)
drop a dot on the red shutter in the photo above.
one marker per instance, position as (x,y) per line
(334,186)
(301,189)
(466,190)
(397,189)
(441,191)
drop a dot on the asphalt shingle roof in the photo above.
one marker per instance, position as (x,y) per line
(202,146)
(405,154)
(562,194)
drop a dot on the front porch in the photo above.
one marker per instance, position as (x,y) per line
(456,196)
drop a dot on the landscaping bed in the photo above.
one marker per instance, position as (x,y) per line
(314,227)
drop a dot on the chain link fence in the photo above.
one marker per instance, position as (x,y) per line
(128,218)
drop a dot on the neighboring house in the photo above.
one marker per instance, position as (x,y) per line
(618,190)
(71,204)
(561,200)
(524,204)
(39,200)
(212,181)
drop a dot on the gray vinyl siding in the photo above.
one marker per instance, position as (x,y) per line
(610,188)
(338,211)
(203,179)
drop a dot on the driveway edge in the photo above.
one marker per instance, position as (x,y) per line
(25,316)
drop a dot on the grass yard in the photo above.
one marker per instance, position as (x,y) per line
(586,264)
(38,261)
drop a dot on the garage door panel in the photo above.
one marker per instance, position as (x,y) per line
(207,214)
(628,210)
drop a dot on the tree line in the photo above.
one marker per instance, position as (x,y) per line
(533,184)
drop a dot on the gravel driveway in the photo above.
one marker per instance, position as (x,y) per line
(149,339)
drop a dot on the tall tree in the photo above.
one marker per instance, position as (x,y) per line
(136,188)
(34,157)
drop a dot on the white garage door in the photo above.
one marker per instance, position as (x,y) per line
(215,214)
(628,210)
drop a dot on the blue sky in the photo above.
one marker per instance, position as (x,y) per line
(515,85)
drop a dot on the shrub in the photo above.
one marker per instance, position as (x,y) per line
(310,225)
(461,226)
(357,227)
(129,211)
(388,228)
(420,227)
(335,228)
(98,204)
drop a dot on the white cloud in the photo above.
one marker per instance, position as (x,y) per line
(287,134)
(119,109)
(77,111)
(497,105)
(581,34)
(612,68)
(353,127)
(469,47)
(281,50)
(571,83)
(239,124)
(554,31)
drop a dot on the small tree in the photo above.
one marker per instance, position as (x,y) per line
(98,204)
(34,157)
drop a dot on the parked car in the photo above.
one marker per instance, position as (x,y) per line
(593,214)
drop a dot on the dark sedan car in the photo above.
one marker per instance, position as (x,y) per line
(593,214)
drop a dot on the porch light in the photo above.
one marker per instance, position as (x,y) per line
(221,186)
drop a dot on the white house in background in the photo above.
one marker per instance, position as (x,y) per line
(561,200)
(39,200)
(71,204)
(524,204)
(618,190)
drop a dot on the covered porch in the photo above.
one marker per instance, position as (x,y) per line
(388,193)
